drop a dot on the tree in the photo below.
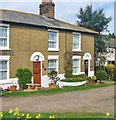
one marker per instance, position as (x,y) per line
(94,20)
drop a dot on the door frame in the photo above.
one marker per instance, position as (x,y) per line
(87,56)
(87,67)
(34,57)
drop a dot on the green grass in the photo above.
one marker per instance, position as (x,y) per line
(65,115)
(54,91)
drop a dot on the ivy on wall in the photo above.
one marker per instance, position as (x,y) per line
(68,64)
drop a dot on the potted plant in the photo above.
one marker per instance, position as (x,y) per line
(13,87)
(53,78)
(24,76)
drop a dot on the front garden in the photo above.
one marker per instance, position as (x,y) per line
(102,78)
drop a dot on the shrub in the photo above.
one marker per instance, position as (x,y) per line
(24,75)
(89,78)
(101,75)
(110,69)
(94,78)
(76,78)
(53,76)
(84,76)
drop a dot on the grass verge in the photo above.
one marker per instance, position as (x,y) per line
(60,115)
(55,90)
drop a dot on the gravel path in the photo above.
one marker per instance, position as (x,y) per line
(100,100)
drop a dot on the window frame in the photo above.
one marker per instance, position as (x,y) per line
(5,47)
(79,49)
(6,58)
(57,40)
(55,57)
(79,67)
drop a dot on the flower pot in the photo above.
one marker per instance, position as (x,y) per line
(13,88)
(52,86)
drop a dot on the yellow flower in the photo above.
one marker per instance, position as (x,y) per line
(107,114)
(18,117)
(1,114)
(10,111)
(38,116)
(16,109)
(27,115)
(51,117)
(15,113)
(23,114)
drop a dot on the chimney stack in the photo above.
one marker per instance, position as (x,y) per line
(47,8)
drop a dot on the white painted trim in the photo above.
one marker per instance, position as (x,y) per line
(37,54)
(77,57)
(41,58)
(91,73)
(6,58)
(54,57)
(87,56)
(75,50)
(6,47)
(6,25)
(57,45)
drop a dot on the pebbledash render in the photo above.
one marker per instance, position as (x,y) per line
(39,42)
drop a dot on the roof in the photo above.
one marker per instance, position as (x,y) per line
(34,19)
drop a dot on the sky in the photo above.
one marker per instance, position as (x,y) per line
(64,9)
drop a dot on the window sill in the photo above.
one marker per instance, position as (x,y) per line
(76,73)
(76,50)
(53,50)
(5,48)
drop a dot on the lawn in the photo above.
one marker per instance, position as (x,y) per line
(55,90)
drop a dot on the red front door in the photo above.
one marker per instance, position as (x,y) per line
(37,72)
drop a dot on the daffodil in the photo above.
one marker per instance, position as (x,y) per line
(16,109)
(10,111)
(107,114)
(23,114)
(38,116)
(15,113)
(51,117)
(1,114)
(28,116)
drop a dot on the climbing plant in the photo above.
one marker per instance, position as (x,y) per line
(68,64)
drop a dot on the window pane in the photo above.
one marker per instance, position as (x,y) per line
(3,70)
(75,41)
(3,42)
(52,39)
(3,65)
(51,44)
(76,66)
(3,31)
(51,65)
